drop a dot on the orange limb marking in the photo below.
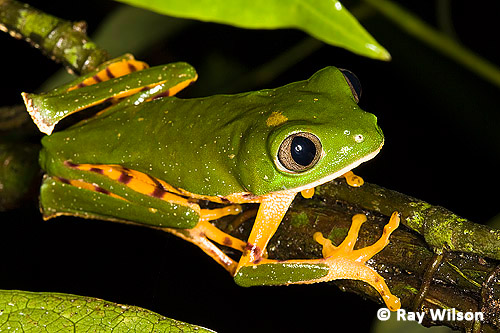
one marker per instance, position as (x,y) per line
(115,69)
(117,96)
(175,89)
(220,237)
(141,182)
(353,180)
(200,235)
(138,181)
(217,213)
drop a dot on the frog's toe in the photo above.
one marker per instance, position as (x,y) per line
(353,180)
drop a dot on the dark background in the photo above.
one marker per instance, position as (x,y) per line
(442,145)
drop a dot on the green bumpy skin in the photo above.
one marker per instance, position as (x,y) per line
(223,144)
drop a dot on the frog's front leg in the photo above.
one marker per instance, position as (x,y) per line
(342,262)
(272,209)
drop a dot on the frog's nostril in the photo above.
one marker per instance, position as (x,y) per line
(359,138)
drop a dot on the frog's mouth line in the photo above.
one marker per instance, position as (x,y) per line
(336,174)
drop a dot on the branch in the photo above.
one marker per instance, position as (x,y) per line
(441,228)
(61,40)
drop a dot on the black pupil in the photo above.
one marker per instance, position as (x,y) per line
(303,150)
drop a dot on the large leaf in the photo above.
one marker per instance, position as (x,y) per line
(52,312)
(326,20)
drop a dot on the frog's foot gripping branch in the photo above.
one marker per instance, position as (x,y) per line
(342,262)
(346,263)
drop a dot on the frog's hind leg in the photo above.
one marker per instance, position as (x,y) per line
(204,234)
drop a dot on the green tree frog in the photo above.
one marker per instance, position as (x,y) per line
(150,158)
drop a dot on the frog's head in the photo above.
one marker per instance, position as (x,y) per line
(314,131)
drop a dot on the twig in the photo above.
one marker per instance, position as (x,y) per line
(61,40)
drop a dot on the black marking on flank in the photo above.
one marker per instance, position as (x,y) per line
(109,74)
(131,67)
(81,85)
(97,170)
(157,183)
(162,94)
(70,164)
(159,190)
(101,190)
(97,78)
(125,178)
(249,196)
(158,193)
(64,180)
(225,200)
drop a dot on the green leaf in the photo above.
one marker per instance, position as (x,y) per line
(328,21)
(53,312)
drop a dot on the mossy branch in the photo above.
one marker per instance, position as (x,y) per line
(61,40)
(441,228)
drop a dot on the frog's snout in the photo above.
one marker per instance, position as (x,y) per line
(378,130)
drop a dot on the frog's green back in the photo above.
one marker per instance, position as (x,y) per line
(225,144)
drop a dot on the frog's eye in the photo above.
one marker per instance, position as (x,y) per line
(299,152)
(353,82)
